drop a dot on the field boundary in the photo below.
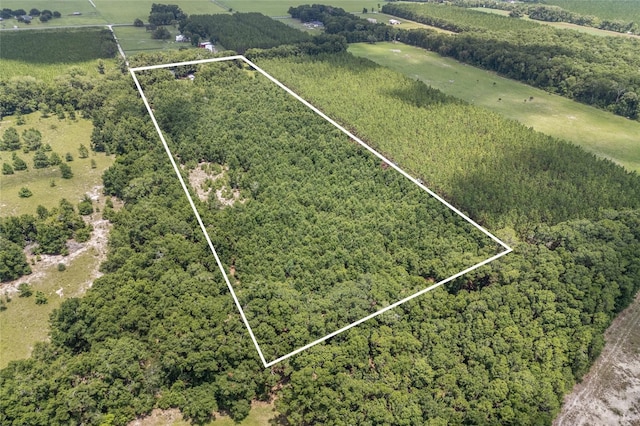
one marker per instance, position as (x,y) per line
(176,168)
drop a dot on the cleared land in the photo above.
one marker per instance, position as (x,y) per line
(134,40)
(88,14)
(561,25)
(124,12)
(63,136)
(280,7)
(610,392)
(405,24)
(624,10)
(600,132)
(260,415)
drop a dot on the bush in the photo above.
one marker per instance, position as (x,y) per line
(18,163)
(68,157)
(24,290)
(41,299)
(25,192)
(7,169)
(66,172)
(62,267)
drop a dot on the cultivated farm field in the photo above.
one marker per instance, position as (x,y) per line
(600,132)
(280,7)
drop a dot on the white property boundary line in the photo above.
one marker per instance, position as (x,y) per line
(349,134)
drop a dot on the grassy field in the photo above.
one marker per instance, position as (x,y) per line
(280,7)
(24,322)
(48,72)
(63,136)
(600,132)
(89,15)
(405,23)
(134,40)
(124,11)
(561,25)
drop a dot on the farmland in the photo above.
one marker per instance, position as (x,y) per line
(624,10)
(608,136)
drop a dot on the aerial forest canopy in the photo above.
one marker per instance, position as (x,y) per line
(501,345)
(323,233)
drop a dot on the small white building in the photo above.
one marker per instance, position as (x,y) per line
(207,45)
(372,20)
(394,22)
(181,39)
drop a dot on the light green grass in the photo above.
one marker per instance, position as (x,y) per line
(48,72)
(125,11)
(25,323)
(134,40)
(598,131)
(561,25)
(405,23)
(280,7)
(65,7)
(65,137)
(260,415)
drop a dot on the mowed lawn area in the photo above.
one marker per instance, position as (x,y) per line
(600,132)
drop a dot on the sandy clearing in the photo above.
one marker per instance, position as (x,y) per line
(610,392)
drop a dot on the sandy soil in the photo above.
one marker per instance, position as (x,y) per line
(610,392)
(197,178)
(98,243)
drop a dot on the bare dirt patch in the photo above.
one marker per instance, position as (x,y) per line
(204,183)
(610,392)
(97,244)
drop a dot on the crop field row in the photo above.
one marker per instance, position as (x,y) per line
(598,131)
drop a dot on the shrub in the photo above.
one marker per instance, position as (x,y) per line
(25,192)
(24,290)
(41,299)
(7,169)
(66,172)
(62,267)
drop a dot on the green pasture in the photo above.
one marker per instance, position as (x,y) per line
(134,40)
(89,15)
(561,25)
(125,11)
(63,136)
(405,23)
(600,132)
(280,7)
(25,323)
(48,72)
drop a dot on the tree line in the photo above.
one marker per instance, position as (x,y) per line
(598,71)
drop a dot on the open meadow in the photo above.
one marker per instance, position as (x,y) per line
(598,131)
(24,323)
(280,7)
(64,136)
(133,40)
(624,10)
(124,12)
(561,25)
(86,14)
